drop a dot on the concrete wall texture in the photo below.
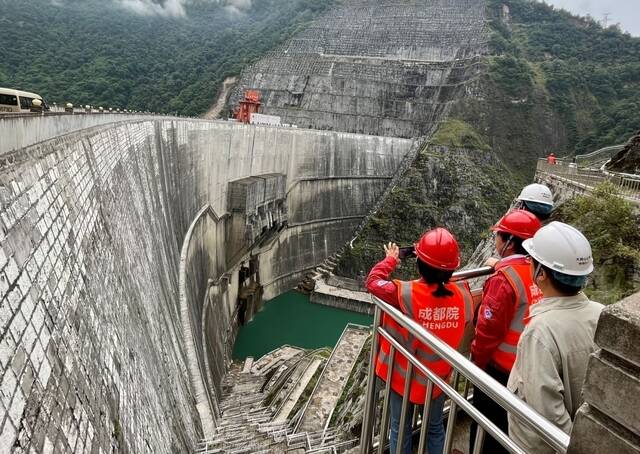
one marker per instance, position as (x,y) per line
(92,352)
(202,258)
(21,130)
(609,420)
(374,67)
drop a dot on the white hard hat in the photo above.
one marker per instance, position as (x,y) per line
(536,193)
(562,248)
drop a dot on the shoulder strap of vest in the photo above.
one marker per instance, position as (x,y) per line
(463,288)
(520,288)
(404,297)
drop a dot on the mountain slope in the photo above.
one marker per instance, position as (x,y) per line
(552,82)
(586,78)
(94,52)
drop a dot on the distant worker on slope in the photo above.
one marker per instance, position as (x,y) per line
(551,158)
(441,307)
(506,298)
(555,346)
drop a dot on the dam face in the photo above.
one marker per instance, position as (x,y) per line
(92,318)
(127,244)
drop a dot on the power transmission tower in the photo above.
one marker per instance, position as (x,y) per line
(605,19)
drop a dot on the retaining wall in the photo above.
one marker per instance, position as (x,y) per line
(374,67)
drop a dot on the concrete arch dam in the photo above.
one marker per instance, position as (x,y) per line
(93,317)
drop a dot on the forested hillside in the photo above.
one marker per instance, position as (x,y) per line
(589,77)
(611,224)
(97,52)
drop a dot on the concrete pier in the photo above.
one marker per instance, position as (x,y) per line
(609,420)
(341,298)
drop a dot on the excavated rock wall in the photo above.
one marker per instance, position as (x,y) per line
(374,67)
(628,159)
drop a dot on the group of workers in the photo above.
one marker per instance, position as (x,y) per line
(534,326)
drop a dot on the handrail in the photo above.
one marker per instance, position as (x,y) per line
(627,186)
(552,435)
(470,274)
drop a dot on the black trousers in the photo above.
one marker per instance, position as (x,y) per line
(492,411)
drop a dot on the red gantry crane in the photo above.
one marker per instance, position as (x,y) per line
(249,105)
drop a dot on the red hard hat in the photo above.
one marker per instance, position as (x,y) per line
(519,223)
(439,249)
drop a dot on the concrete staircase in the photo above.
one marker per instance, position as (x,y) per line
(245,423)
(256,405)
(328,390)
(325,269)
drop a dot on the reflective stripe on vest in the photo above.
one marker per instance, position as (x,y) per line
(419,377)
(468,300)
(443,316)
(519,277)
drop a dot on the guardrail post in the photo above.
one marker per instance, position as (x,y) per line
(368,417)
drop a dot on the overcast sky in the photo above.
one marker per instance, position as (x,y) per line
(626,12)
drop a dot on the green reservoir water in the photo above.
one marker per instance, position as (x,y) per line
(292,319)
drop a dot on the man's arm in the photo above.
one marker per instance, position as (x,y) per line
(378,282)
(494,317)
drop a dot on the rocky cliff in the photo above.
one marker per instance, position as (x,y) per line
(628,159)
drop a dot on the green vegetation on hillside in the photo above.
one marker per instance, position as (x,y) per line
(611,225)
(589,76)
(95,52)
(462,190)
(458,134)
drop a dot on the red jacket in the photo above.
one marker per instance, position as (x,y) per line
(494,317)
(378,282)
(414,299)
(507,297)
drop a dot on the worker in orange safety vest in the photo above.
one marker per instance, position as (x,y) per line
(502,315)
(439,306)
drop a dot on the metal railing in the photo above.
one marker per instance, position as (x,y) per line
(627,185)
(598,157)
(461,367)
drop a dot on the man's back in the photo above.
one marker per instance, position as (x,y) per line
(551,363)
(567,328)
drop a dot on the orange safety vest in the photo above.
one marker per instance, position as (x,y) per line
(445,317)
(527,293)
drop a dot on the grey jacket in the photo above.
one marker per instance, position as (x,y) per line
(551,364)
